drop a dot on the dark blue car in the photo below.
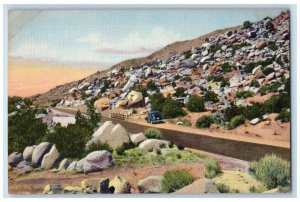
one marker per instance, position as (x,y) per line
(154,117)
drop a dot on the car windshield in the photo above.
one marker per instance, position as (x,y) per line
(156,115)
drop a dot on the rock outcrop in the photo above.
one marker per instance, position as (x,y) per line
(39,152)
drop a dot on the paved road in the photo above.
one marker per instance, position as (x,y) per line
(232,148)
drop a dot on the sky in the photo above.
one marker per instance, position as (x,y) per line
(106,37)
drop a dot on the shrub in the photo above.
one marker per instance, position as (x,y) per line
(247,25)
(157,100)
(272,171)
(141,89)
(240,45)
(151,86)
(126,146)
(212,168)
(285,115)
(214,48)
(187,54)
(236,121)
(204,122)
(195,104)
(186,79)
(180,92)
(224,83)
(171,145)
(158,152)
(226,67)
(98,147)
(153,133)
(211,96)
(244,94)
(175,180)
(272,46)
(180,147)
(267,71)
(134,111)
(249,67)
(172,109)
(255,83)
(276,103)
(223,188)
(215,78)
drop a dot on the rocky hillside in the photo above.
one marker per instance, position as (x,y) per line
(244,65)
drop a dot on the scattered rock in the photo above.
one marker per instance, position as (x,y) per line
(97,160)
(151,184)
(23,167)
(72,190)
(64,164)
(72,166)
(99,185)
(102,103)
(14,159)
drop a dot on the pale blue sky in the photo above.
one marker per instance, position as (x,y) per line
(106,37)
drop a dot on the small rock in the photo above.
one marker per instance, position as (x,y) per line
(119,185)
(23,167)
(255,121)
(64,164)
(265,117)
(72,166)
(72,190)
(99,185)
(97,160)
(137,138)
(53,189)
(153,144)
(27,153)
(151,184)
(14,159)
(201,186)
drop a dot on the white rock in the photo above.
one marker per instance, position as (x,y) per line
(137,138)
(27,153)
(153,144)
(255,121)
(50,158)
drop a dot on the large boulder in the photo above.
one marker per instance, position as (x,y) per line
(27,153)
(72,166)
(153,144)
(23,167)
(50,158)
(201,186)
(101,104)
(137,138)
(14,159)
(151,184)
(39,152)
(53,189)
(168,92)
(134,97)
(121,104)
(97,160)
(119,185)
(99,185)
(64,164)
(117,137)
(79,165)
(101,132)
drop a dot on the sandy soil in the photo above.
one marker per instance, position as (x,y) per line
(34,183)
(268,132)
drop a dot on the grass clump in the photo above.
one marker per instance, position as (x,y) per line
(236,121)
(212,168)
(223,188)
(153,133)
(244,94)
(272,171)
(175,180)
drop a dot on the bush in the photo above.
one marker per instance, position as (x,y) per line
(172,109)
(244,94)
(212,168)
(141,89)
(267,71)
(226,67)
(223,188)
(134,111)
(98,147)
(186,79)
(195,104)
(236,121)
(276,103)
(151,86)
(126,146)
(215,78)
(272,171)
(204,122)
(214,48)
(249,67)
(187,54)
(255,83)
(269,88)
(175,180)
(211,96)
(153,133)
(239,46)
(247,25)
(157,100)
(272,46)
(285,115)
(224,83)
(180,92)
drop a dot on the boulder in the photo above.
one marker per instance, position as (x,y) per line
(64,164)
(137,138)
(50,158)
(23,167)
(72,166)
(259,74)
(27,153)
(270,76)
(256,69)
(134,97)
(153,144)
(119,185)
(260,44)
(101,104)
(121,104)
(101,132)
(201,186)
(97,160)
(168,92)
(148,72)
(39,152)
(79,165)
(151,184)
(255,121)
(53,189)
(99,185)
(265,117)
(14,159)
(72,190)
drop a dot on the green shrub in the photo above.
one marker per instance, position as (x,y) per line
(126,146)
(214,48)
(215,78)
(276,103)
(204,122)
(269,88)
(134,111)
(223,188)
(180,147)
(175,180)
(98,147)
(180,92)
(158,152)
(247,25)
(285,115)
(244,94)
(186,79)
(151,86)
(224,83)
(195,104)
(172,109)
(153,133)
(272,171)
(239,46)
(249,67)
(255,83)
(236,121)
(141,89)
(267,71)
(187,54)
(272,46)
(211,96)
(226,67)
(157,100)
(212,168)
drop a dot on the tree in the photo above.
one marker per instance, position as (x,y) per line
(196,104)
(204,122)
(172,109)
(180,92)
(157,100)
(247,25)
(211,96)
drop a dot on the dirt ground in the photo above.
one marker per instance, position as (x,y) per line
(34,183)
(269,132)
